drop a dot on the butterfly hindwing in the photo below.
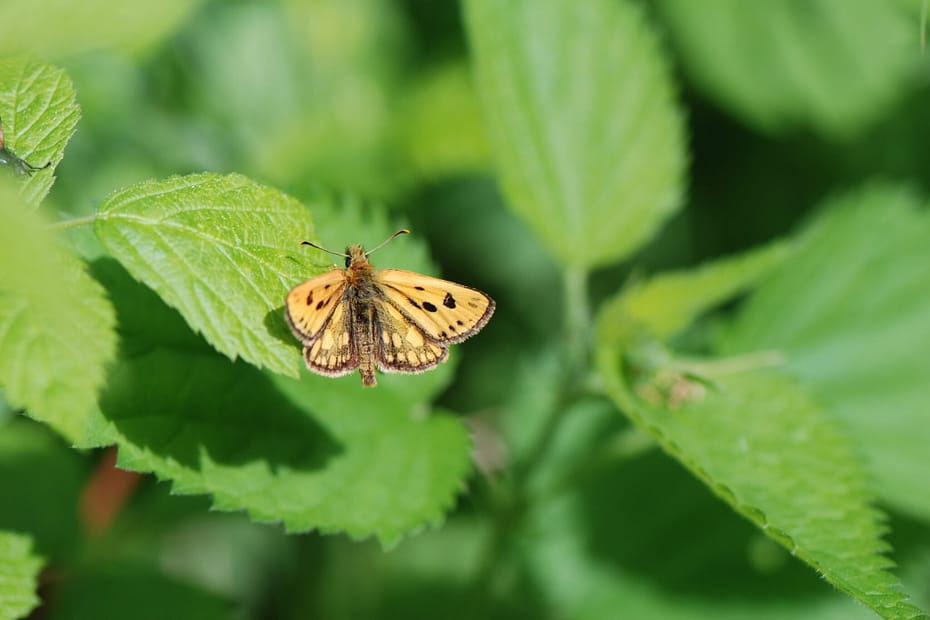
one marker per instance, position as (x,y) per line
(444,311)
(309,306)
(400,345)
(333,352)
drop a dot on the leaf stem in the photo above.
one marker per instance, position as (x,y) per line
(577,315)
(577,346)
(74,222)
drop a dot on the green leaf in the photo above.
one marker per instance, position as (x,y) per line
(19,576)
(223,250)
(849,314)
(800,63)
(56,325)
(765,446)
(669,302)
(579,104)
(318,453)
(131,590)
(59,27)
(39,115)
(42,480)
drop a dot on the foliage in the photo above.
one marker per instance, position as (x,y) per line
(697,398)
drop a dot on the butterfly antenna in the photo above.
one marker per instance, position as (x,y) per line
(313,245)
(402,231)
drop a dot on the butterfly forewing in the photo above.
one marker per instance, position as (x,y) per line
(401,346)
(310,305)
(444,311)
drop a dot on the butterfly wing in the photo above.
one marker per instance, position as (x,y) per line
(445,312)
(310,305)
(319,316)
(401,345)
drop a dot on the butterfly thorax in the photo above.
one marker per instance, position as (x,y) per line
(359,271)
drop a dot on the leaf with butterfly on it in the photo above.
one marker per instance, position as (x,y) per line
(219,249)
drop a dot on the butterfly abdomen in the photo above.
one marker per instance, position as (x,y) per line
(363,324)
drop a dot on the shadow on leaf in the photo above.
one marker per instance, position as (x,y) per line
(199,409)
(278,328)
(171,395)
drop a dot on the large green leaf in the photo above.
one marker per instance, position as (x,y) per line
(798,62)
(56,325)
(758,439)
(39,116)
(19,576)
(223,250)
(766,447)
(318,453)
(849,313)
(580,110)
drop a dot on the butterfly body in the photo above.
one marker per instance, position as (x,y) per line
(392,320)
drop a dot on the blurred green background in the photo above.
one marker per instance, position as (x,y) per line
(374,99)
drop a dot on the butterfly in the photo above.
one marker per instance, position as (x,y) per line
(387,319)
(16,164)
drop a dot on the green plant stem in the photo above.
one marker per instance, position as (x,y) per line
(510,507)
(578,349)
(74,222)
(577,316)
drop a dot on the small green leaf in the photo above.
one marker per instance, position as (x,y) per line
(318,453)
(580,109)
(441,129)
(39,115)
(857,333)
(56,325)
(59,27)
(223,250)
(19,576)
(667,303)
(798,63)
(762,444)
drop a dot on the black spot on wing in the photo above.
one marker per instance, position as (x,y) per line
(310,298)
(419,288)
(320,304)
(429,307)
(449,301)
(413,303)
(459,323)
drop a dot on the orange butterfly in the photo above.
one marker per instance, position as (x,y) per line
(393,320)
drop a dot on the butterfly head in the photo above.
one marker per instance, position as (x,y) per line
(355,256)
